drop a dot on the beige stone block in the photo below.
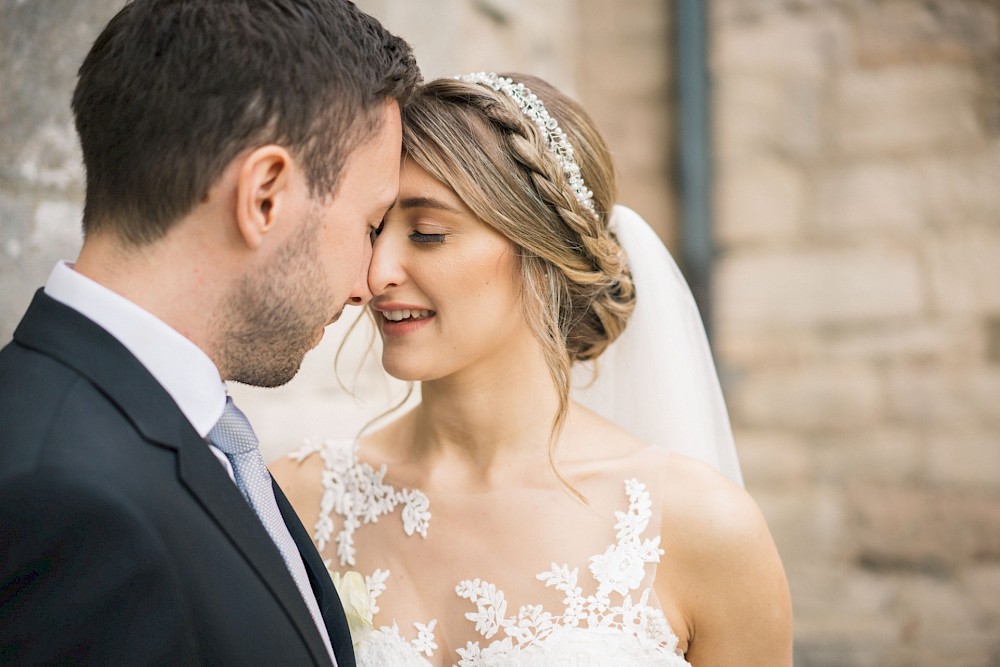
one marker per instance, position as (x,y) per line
(906,110)
(880,454)
(780,44)
(981,582)
(771,289)
(745,110)
(839,587)
(772,459)
(913,340)
(929,394)
(634,69)
(723,12)
(991,338)
(963,270)
(940,622)
(958,340)
(983,389)
(870,198)
(647,196)
(913,653)
(599,22)
(815,397)
(915,529)
(431,27)
(638,55)
(453,36)
(740,346)
(902,31)
(514,35)
(843,615)
(765,114)
(961,190)
(644,140)
(885,341)
(640,19)
(763,199)
(801,121)
(964,456)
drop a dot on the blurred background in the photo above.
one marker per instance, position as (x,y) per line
(828,174)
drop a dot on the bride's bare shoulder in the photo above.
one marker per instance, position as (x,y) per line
(719,542)
(722,568)
(702,504)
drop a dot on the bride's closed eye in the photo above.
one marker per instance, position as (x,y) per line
(421,237)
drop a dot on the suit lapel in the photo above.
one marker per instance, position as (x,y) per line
(322,585)
(201,473)
(64,334)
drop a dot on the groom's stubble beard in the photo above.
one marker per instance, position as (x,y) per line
(273,316)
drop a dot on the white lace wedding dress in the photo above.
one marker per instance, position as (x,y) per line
(539,579)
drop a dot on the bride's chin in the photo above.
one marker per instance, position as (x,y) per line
(401,370)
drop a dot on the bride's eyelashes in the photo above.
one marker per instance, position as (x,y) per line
(420,237)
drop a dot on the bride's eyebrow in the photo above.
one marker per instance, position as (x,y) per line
(426,202)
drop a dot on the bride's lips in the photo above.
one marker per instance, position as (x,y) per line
(399,319)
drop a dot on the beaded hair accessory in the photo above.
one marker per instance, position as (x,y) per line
(556,140)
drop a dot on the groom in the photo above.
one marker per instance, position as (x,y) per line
(238,155)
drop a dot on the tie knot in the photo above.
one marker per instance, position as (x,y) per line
(233,433)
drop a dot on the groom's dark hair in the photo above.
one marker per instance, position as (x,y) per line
(173,90)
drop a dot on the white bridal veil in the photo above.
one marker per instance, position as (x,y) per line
(658,380)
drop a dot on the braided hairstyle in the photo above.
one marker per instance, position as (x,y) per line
(576,289)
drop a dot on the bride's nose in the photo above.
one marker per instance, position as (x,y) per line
(386,269)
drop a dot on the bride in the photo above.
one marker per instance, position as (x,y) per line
(501,522)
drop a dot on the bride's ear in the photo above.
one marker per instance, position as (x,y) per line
(261,191)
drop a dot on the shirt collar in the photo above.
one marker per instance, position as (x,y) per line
(180,366)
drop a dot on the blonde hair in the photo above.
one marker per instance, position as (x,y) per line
(577,292)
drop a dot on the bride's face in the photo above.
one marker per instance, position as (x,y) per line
(443,284)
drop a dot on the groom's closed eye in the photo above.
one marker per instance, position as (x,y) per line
(373,232)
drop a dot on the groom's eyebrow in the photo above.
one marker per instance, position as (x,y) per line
(426,202)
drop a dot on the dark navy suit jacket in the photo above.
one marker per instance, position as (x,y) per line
(122,539)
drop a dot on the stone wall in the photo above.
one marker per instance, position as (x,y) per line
(857,308)
(41,189)
(857,305)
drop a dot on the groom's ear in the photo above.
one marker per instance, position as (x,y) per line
(262,189)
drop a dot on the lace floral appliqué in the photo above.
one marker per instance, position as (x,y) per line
(617,626)
(588,625)
(357,492)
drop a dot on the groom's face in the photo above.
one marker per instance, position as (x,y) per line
(323,267)
(367,188)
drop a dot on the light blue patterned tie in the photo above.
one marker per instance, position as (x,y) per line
(235,437)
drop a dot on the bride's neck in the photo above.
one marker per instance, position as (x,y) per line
(488,421)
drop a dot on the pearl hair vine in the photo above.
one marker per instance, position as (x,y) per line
(556,140)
